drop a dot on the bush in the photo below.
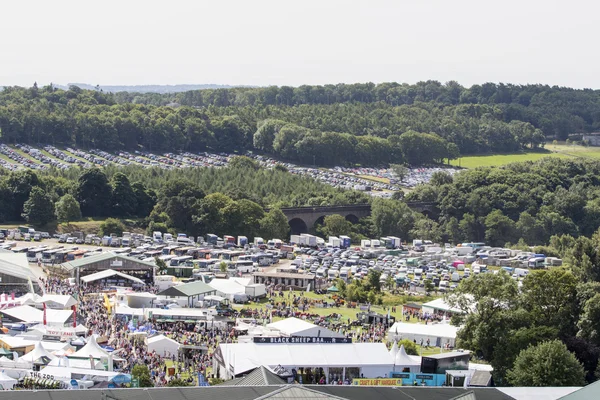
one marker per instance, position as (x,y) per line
(178,382)
(409,346)
(112,225)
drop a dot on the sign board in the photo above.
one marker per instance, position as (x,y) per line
(426,377)
(135,383)
(116,263)
(300,339)
(377,382)
(400,375)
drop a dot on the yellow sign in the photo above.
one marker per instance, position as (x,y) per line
(377,382)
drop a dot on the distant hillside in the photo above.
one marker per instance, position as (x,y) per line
(148,88)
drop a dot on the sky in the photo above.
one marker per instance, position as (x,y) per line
(291,42)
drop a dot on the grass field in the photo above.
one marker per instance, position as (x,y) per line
(561,150)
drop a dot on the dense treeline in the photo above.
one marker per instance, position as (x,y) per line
(195,201)
(305,124)
(557,111)
(528,202)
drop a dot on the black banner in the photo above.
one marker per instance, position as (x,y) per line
(427,377)
(300,339)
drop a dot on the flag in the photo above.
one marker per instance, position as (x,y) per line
(74,307)
(12,296)
(44,321)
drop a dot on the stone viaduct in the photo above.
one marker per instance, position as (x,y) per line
(303,219)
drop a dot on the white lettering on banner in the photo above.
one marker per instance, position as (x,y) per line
(301,339)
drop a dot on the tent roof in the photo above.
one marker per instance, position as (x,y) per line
(82,262)
(15,264)
(297,327)
(333,289)
(394,349)
(38,352)
(261,376)
(162,338)
(246,356)
(31,314)
(91,348)
(188,290)
(437,330)
(403,359)
(63,301)
(6,378)
(227,286)
(107,273)
(441,305)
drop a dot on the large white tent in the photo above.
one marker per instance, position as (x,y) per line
(295,327)
(6,381)
(163,345)
(91,348)
(438,334)
(107,273)
(231,289)
(37,353)
(30,314)
(405,363)
(372,359)
(58,301)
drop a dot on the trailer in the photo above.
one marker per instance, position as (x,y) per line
(256,291)
(242,241)
(295,239)
(334,241)
(345,241)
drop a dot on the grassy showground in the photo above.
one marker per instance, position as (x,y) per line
(561,150)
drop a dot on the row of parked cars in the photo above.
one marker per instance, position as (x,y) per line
(342,177)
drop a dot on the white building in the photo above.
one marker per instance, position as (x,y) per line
(347,360)
(295,327)
(438,334)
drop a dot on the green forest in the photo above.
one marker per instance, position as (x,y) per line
(360,124)
(196,201)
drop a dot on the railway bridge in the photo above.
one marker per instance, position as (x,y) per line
(303,219)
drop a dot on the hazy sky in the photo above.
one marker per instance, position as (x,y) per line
(290,42)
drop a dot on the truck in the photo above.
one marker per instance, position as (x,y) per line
(345,273)
(211,238)
(256,291)
(521,272)
(395,242)
(365,243)
(375,243)
(295,239)
(345,241)
(157,237)
(258,241)
(537,261)
(242,241)
(334,241)
(309,240)
(168,237)
(229,239)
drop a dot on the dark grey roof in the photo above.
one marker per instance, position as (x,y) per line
(481,378)
(260,376)
(255,392)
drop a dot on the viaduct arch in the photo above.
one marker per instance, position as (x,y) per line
(303,219)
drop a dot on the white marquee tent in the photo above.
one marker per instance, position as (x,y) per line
(162,345)
(6,381)
(373,359)
(437,334)
(403,361)
(38,352)
(107,273)
(91,348)
(295,327)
